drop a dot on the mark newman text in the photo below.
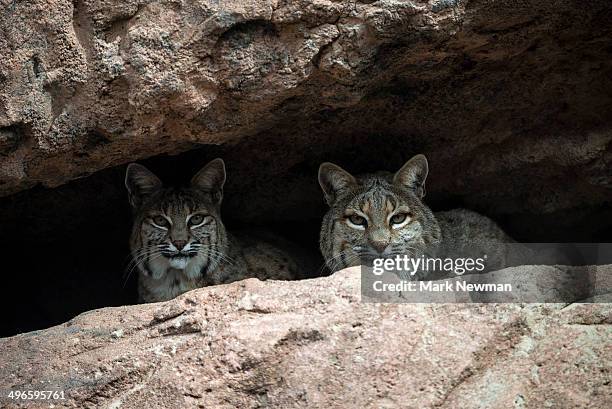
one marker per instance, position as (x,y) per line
(445,286)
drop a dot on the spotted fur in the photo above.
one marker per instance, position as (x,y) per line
(179,241)
(383,215)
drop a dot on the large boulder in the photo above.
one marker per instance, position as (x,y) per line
(315,344)
(511,100)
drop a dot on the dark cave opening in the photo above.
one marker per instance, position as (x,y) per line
(65,249)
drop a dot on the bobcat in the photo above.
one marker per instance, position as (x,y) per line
(382,215)
(179,242)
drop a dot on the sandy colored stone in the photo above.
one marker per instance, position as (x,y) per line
(311,344)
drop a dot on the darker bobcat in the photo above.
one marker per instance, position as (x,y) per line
(382,215)
(179,241)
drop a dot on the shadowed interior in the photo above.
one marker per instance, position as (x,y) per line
(65,250)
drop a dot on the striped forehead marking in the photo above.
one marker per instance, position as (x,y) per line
(366,206)
(376,201)
(178,202)
(389,206)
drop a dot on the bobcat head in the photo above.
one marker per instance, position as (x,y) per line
(376,215)
(177,228)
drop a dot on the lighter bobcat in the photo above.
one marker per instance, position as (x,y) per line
(382,215)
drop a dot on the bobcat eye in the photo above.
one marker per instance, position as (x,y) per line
(161,221)
(399,218)
(358,220)
(196,220)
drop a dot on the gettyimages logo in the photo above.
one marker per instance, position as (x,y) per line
(410,266)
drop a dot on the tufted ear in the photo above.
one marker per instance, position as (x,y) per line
(211,179)
(413,174)
(333,180)
(140,183)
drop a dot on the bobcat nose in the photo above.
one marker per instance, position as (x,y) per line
(379,246)
(179,244)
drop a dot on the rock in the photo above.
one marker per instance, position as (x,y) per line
(511,102)
(313,343)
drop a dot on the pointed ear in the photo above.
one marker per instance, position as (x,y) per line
(211,179)
(333,180)
(140,183)
(413,174)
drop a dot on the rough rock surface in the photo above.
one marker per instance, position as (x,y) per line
(511,99)
(312,344)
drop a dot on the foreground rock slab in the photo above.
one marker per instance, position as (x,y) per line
(313,343)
